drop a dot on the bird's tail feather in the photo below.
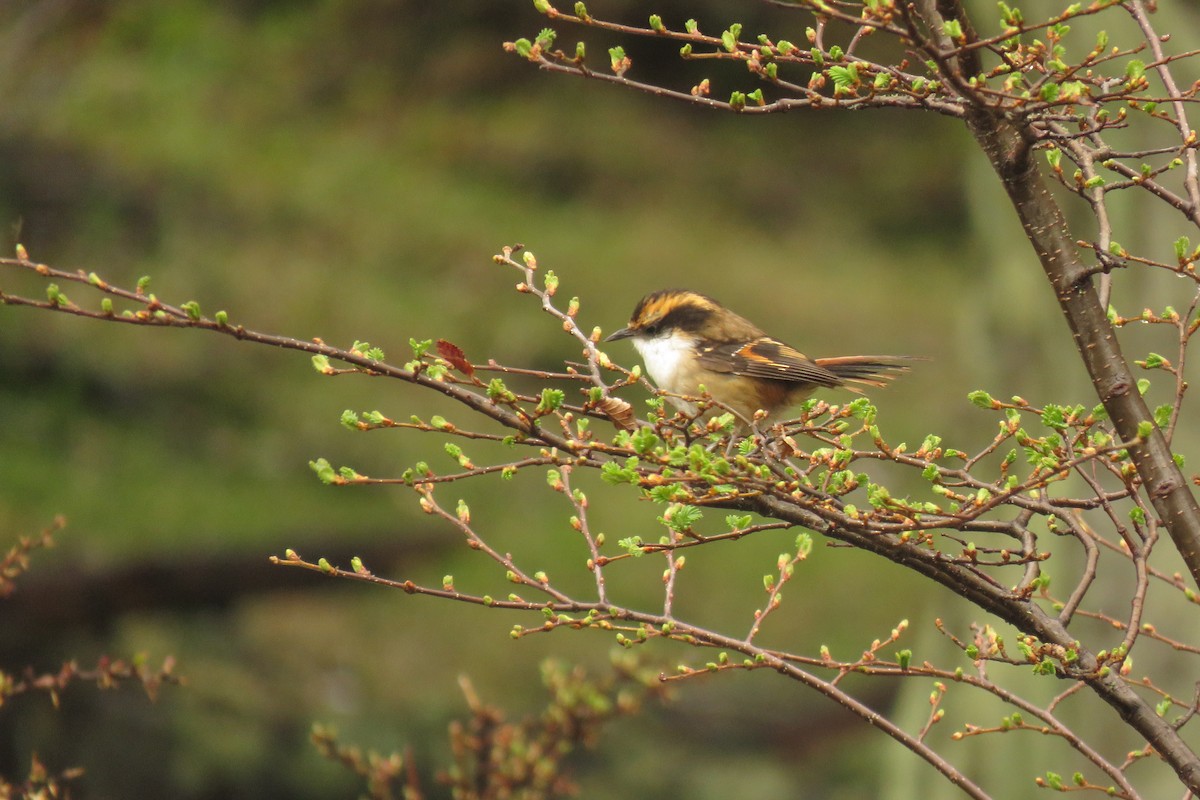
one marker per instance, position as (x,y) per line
(868,370)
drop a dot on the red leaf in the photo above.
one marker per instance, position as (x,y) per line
(619,412)
(454,354)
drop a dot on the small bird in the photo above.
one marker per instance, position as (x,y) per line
(689,340)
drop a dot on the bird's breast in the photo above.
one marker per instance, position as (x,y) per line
(670,362)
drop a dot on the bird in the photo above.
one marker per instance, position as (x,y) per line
(691,343)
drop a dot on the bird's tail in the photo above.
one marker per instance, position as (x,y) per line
(868,370)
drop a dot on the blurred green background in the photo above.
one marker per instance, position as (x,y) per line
(346,169)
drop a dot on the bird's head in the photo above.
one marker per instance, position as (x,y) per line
(682,313)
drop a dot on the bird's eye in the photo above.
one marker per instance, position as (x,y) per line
(652,330)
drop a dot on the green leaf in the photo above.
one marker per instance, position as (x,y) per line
(679,517)
(632,546)
(614,473)
(1182,246)
(667,493)
(981,399)
(845,79)
(736,522)
(1073,90)
(878,496)
(804,544)
(1162,415)
(617,56)
(861,408)
(324,470)
(729,38)
(551,400)
(192,309)
(1053,417)
(644,440)
(498,392)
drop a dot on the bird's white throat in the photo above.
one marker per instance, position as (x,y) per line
(668,360)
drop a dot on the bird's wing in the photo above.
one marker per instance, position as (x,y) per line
(765,358)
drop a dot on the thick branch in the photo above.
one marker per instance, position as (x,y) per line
(1020,612)
(1115,385)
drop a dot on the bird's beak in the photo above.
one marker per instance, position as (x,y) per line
(623,333)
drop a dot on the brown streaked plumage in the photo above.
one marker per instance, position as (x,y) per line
(689,340)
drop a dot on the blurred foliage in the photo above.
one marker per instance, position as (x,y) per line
(345,169)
